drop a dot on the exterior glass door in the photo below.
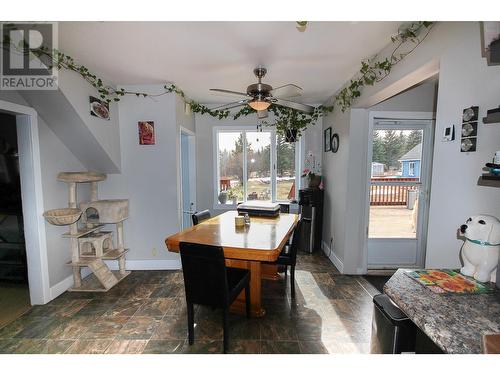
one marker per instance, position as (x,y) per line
(398,191)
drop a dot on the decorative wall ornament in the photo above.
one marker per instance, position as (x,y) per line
(99,108)
(146,132)
(327,139)
(335,142)
(468,141)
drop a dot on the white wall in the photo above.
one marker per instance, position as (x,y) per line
(94,141)
(205,124)
(149,177)
(107,133)
(55,157)
(464,80)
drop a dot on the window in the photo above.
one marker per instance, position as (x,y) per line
(411,168)
(254,165)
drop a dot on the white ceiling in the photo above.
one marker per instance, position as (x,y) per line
(202,55)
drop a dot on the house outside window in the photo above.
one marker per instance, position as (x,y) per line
(252,165)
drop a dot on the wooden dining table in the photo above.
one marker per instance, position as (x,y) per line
(250,248)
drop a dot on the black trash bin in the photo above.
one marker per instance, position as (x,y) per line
(392,331)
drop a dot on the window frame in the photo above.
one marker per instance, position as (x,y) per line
(411,169)
(273,162)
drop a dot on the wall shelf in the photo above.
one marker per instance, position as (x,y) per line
(491,120)
(489,179)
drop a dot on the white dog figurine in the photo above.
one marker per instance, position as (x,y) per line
(481,247)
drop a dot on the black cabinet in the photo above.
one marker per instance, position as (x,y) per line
(311,209)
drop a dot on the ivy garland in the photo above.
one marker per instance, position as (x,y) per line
(371,72)
(374,70)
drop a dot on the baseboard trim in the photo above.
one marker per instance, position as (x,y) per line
(65,284)
(147,264)
(333,258)
(131,265)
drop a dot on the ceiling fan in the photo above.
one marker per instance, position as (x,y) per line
(260,96)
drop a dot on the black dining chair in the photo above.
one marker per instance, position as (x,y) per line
(207,281)
(198,217)
(288,257)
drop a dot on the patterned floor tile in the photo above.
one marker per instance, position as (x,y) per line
(279,347)
(139,328)
(97,307)
(40,346)
(171,327)
(125,307)
(83,346)
(71,328)
(165,347)
(156,307)
(106,327)
(204,347)
(39,328)
(244,347)
(119,346)
(146,313)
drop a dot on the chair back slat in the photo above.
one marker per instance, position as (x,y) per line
(296,240)
(198,217)
(204,271)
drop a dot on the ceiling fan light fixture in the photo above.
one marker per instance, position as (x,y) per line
(259,105)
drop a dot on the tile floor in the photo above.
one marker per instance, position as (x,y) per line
(146,314)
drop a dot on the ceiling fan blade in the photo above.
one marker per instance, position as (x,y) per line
(287,91)
(230,105)
(298,106)
(231,93)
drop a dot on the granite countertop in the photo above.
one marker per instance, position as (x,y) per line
(455,322)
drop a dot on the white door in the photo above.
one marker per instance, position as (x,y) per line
(400,163)
(188,179)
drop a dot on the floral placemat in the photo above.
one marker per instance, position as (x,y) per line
(450,281)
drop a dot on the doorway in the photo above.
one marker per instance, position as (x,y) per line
(188,177)
(14,289)
(398,189)
(28,144)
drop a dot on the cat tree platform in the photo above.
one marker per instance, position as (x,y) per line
(80,177)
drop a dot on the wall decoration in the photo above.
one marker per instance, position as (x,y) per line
(469,129)
(468,144)
(146,132)
(327,139)
(470,114)
(335,143)
(468,141)
(99,108)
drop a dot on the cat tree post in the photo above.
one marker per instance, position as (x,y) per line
(120,245)
(72,195)
(93,191)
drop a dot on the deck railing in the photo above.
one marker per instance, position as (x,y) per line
(383,194)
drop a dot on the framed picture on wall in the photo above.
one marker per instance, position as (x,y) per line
(335,143)
(327,139)
(146,132)
(99,108)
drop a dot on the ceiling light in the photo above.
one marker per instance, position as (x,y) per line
(259,105)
